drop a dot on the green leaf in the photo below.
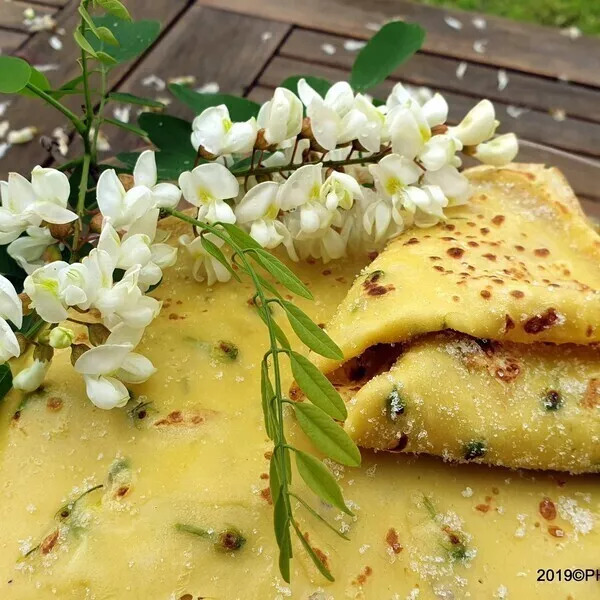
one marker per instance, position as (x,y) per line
(310,333)
(285,554)
(132,99)
(313,556)
(168,164)
(317,516)
(318,478)
(32,323)
(326,434)
(281,273)
(85,15)
(83,43)
(105,58)
(240,237)
(5,380)
(115,8)
(279,334)
(106,35)
(267,394)
(39,80)
(317,387)
(320,85)
(168,133)
(240,109)
(281,519)
(14,74)
(126,126)
(132,37)
(215,252)
(274,479)
(385,51)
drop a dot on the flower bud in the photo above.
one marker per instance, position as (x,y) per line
(261,142)
(127,181)
(60,232)
(97,334)
(76,351)
(51,254)
(32,377)
(25,303)
(204,153)
(61,337)
(478,125)
(96,223)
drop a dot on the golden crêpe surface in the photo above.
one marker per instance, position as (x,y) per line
(196,454)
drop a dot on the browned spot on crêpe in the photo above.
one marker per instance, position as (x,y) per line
(455,252)
(49,542)
(556,531)
(486,294)
(517,294)
(54,404)
(362,578)
(483,508)
(265,494)
(508,323)
(519,248)
(547,509)
(541,322)
(541,252)
(591,397)
(393,541)
(489,256)
(498,220)
(484,231)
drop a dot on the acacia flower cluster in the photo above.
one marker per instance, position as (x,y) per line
(126,254)
(345,178)
(323,176)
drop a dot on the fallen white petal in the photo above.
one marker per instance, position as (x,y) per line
(453,22)
(55,43)
(502,79)
(480,46)
(479,22)
(328,49)
(461,70)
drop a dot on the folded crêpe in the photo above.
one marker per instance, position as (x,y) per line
(477,340)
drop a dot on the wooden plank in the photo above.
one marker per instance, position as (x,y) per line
(10,41)
(572,134)
(57,3)
(24,111)
(440,73)
(211,45)
(581,171)
(11,14)
(508,44)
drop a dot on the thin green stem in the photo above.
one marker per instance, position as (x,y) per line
(103,99)
(77,122)
(89,107)
(85,170)
(324,163)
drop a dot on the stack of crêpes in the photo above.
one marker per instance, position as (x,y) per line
(478,340)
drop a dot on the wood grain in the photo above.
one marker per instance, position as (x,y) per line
(510,44)
(439,72)
(24,111)
(10,41)
(211,45)
(11,14)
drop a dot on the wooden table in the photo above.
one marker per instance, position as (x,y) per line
(545,85)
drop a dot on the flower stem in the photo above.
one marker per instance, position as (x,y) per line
(324,163)
(77,122)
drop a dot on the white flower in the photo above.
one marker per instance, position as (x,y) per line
(340,190)
(30,378)
(439,151)
(51,188)
(105,367)
(214,131)
(326,114)
(381,220)
(302,191)
(408,129)
(12,310)
(454,185)
(478,125)
(281,117)
(435,110)
(61,337)
(425,203)
(121,207)
(164,195)
(392,175)
(205,265)
(260,208)
(499,151)
(329,245)
(365,123)
(208,186)
(125,303)
(43,289)
(28,250)
(17,198)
